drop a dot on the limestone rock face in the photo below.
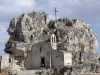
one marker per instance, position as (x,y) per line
(73,35)
(26,30)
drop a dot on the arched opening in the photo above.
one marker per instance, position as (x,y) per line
(52,39)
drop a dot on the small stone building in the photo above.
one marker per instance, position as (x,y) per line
(5,61)
(42,55)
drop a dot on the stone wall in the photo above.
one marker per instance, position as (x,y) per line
(67,59)
(4,61)
(44,50)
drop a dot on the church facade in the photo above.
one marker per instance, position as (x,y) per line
(42,55)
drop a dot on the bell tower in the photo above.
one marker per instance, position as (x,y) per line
(53,42)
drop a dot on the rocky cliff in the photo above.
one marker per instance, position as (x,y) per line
(73,35)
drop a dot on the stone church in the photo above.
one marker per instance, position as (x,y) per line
(43,54)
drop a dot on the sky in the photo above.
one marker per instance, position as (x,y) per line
(87,10)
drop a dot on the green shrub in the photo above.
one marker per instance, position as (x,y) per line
(10,41)
(69,23)
(59,19)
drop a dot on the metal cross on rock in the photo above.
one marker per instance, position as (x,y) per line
(55,13)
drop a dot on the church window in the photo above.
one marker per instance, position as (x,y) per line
(53,42)
(52,39)
(40,49)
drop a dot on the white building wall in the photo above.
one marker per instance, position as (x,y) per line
(4,61)
(67,59)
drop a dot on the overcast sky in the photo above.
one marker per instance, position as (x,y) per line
(87,10)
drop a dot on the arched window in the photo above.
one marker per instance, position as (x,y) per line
(52,39)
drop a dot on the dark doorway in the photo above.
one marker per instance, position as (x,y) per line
(9,60)
(42,62)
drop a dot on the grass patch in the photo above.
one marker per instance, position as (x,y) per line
(69,23)
(10,41)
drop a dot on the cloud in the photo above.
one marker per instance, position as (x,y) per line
(16,6)
(10,8)
(87,10)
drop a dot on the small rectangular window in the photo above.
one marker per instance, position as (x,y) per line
(40,49)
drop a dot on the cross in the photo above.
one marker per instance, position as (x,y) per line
(55,13)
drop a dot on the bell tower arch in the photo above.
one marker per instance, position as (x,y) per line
(53,42)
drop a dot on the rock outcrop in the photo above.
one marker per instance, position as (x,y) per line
(73,35)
